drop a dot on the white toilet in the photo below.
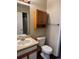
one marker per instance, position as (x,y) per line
(46,50)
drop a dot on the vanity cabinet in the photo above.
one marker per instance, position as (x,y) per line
(28,53)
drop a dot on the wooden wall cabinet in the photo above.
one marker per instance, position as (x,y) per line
(41,18)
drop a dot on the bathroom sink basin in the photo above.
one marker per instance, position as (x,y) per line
(27,41)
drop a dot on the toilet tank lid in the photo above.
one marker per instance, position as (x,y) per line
(40,38)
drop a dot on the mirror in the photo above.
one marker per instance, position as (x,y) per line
(22,26)
(22,19)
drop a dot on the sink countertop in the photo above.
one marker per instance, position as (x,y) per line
(34,42)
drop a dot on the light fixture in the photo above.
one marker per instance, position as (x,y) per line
(27,1)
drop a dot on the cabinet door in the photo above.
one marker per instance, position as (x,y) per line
(41,18)
(24,57)
(33,55)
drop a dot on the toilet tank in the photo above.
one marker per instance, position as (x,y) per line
(41,40)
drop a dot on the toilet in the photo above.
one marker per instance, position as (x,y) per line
(46,50)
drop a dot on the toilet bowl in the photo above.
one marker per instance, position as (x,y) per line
(46,50)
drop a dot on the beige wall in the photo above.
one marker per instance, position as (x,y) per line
(53,9)
(53,32)
(41,5)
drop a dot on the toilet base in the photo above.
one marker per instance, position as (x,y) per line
(45,56)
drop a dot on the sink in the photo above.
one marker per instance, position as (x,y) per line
(27,41)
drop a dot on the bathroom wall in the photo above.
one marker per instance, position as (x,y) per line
(54,10)
(41,5)
(53,30)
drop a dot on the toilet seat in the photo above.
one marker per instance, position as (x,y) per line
(46,49)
